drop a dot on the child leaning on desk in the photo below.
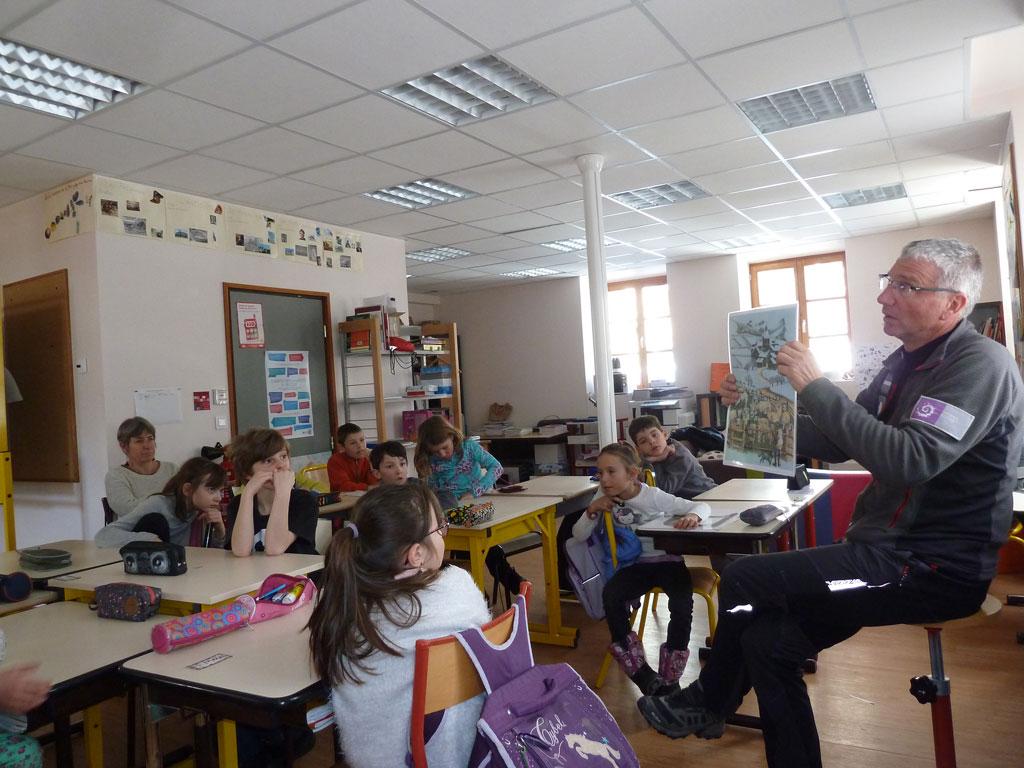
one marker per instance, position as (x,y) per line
(640,566)
(271,515)
(21,690)
(384,588)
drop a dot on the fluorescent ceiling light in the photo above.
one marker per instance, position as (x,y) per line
(471,91)
(440,253)
(572,244)
(661,194)
(535,272)
(745,242)
(421,194)
(865,196)
(57,86)
(814,103)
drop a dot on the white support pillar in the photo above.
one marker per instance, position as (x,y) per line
(590,166)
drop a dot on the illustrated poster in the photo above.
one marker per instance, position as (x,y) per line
(194,221)
(760,431)
(129,209)
(68,210)
(250,325)
(289,406)
(298,240)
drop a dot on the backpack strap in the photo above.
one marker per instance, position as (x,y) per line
(498,664)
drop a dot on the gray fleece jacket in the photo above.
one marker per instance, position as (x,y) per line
(943,459)
(681,474)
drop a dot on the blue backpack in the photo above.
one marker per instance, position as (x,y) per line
(539,716)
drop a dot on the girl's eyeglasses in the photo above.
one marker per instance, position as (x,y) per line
(442,529)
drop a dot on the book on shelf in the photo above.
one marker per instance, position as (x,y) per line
(382,320)
(358,341)
(718,373)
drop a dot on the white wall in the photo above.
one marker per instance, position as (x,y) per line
(521,344)
(149,313)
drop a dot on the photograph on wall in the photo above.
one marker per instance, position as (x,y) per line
(68,210)
(295,236)
(128,209)
(191,220)
(760,431)
(250,325)
(251,231)
(289,405)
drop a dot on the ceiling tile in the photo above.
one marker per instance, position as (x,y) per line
(24,125)
(356,174)
(281,194)
(554,261)
(562,160)
(492,244)
(366,123)
(257,18)
(930,184)
(628,219)
(655,96)
(378,43)
(783,210)
(567,212)
(477,18)
(777,194)
(538,195)
(141,39)
(514,222)
(866,177)
(443,153)
(714,221)
(276,150)
(102,151)
(917,79)
(266,85)
(591,54)
(701,129)
(417,270)
(874,209)
(785,62)
(925,115)
(202,175)
(674,241)
(703,28)
(689,209)
(929,26)
(623,178)
(940,214)
(34,174)
(174,120)
(550,233)
(857,7)
(799,222)
(12,11)
(969,135)
(449,235)
(884,221)
(477,260)
(727,233)
(495,177)
(830,134)
(401,224)
(347,210)
(10,195)
(941,197)
(527,252)
(721,157)
(475,208)
(753,177)
(649,232)
(540,127)
(963,160)
(849,159)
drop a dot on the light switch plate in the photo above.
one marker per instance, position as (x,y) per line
(220,422)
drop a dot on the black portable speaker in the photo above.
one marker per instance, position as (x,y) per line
(799,480)
(155,558)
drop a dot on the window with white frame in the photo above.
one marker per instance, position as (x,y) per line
(640,331)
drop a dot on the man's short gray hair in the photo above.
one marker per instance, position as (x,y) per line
(958,263)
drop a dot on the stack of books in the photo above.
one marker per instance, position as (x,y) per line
(499,429)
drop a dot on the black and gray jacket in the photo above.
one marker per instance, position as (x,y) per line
(943,458)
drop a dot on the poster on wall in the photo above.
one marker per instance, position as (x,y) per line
(251,231)
(68,210)
(760,431)
(161,405)
(289,406)
(129,209)
(298,240)
(250,325)
(194,221)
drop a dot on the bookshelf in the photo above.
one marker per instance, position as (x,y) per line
(987,318)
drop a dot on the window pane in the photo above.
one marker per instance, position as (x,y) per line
(661,365)
(630,365)
(832,354)
(622,335)
(826,318)
(622,304)
(657,334)
(776,286)
(655,300)
(823,281)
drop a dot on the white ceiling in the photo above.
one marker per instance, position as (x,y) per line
(274,105)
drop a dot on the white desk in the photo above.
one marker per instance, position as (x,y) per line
(213,576)
(763,489)
(79,653)
(84,555)
(515,516)
(265,678)
(345,502)
(564,486)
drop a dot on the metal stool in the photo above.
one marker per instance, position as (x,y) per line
(934,688)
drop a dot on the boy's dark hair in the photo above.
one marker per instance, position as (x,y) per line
(347,429)
(252,446)
(387,448)
(640,423)
(136,426)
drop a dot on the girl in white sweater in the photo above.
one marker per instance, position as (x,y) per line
(383,589)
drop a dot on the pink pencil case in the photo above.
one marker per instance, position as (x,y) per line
(188,630)
(280,594)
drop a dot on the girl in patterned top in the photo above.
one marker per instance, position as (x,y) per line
(452,465)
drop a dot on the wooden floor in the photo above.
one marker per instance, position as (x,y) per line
(866,717)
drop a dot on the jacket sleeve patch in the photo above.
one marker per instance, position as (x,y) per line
(948,418)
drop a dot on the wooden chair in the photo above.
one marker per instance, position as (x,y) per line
(445,676)
(705,584)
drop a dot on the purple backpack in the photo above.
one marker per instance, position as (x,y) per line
(586,573)
(539,717)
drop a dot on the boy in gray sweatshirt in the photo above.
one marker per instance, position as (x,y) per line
(676,470)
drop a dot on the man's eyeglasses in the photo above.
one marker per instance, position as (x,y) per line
(442,529)
(906,289)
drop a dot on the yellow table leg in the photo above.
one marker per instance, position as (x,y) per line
(552,633)
(227,744)
(7,499)
(92,730)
